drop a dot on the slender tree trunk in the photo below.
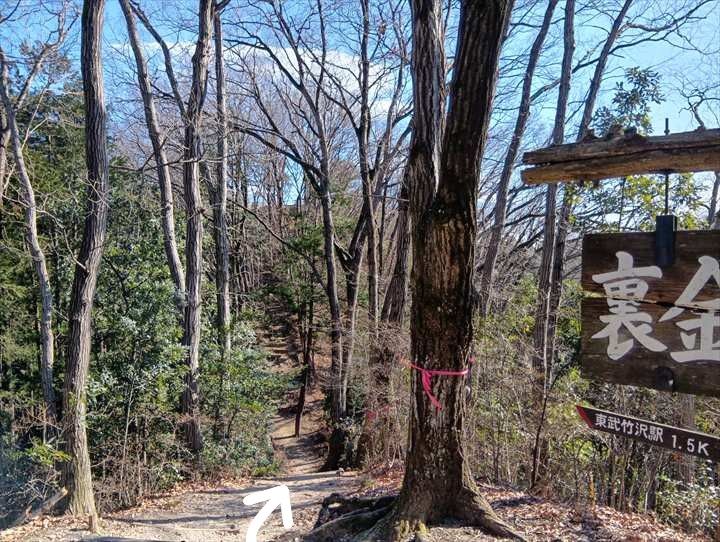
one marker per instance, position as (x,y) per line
(486,278)
(352,292)
(336,330)
(384,352)
(686,417)
(4,141)
(338,444)
(301,400)
(596,81)
(194,233)
(222,246)
(550,258)
(550,293)
(307,333)
(365,173)
(47,339)
(78,477)
(713,215)
(161,162)
(393,310)
(381,241)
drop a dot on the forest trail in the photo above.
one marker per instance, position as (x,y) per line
(216,513)
(305,454)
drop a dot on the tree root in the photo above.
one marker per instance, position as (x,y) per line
(378,520)
(347,527)
(335,506)
(477,512)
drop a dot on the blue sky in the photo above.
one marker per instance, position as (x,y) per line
(675,63)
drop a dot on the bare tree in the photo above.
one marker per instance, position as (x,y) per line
(191,116)
(161,160)
(192,154)
(510,160)
(38,61)
(47,338)
(78,476)
(219,192)
(308,93)
(539,363)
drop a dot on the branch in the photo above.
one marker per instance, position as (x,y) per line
(286,244)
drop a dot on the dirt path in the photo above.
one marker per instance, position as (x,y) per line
(218,514)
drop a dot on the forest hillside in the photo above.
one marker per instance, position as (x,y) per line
(312,243)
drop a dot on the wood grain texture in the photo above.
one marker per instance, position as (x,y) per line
(638,367)
(640,364)
(637,163)
(621,146)
(599,256)
(629,154)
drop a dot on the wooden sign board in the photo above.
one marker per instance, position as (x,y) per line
(643,325)
(676,439)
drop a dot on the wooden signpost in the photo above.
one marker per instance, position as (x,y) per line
(622,154)
(648,326)
(651,313)
(657,434)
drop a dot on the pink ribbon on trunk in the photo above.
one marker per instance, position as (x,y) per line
(426,379)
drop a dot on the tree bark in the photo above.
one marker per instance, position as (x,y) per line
(713,214)
(393,310)
(486,278)
(161,162)
(384,351)
(78,476)
(222,245)
(551,258)
(363,134)
(47,338)
(443,174)
(336,330)
(300,408)
(192,153)
(4,141)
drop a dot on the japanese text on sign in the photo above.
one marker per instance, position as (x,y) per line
(625,288)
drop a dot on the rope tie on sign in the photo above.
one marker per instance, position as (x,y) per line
(426,376)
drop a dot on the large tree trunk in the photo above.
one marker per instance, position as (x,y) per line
(161,162)
(78,477)
(222,244)
(443,175)
(47,339)
(493,247)
(194,208)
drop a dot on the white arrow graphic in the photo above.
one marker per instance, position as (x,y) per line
(275,496)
